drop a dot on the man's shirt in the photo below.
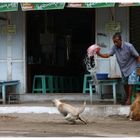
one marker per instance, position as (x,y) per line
(126,57)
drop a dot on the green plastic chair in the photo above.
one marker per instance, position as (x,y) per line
(86,88)
(61,83)
(49,79)
(43,84)
(39,84)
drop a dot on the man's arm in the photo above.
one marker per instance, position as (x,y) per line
(105,55)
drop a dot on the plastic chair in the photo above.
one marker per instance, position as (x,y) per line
(49,79)
(39,84)
(86,88)
(61,84)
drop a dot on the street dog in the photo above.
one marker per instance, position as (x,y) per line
(135,109)
(70,112)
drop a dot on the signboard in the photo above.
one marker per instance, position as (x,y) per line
(98,5)
(11,29)
(41,6)
(27,6)
(74,5)
(113,27)
(8,7)
(3,29)
(128,4)
(7,29)
(90,5)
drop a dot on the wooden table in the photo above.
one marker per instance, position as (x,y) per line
(101,83)
(5,84)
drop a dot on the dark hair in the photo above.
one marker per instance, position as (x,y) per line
(117,35)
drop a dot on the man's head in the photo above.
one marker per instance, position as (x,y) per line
(117,39)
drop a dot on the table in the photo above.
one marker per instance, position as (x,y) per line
(101,83)
(4,84)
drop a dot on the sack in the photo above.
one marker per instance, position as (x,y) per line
(138,71)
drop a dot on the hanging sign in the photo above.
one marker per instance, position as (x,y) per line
(41,6)
(3,29)
(8,7)
(113,27)
(7,29)
(11,29)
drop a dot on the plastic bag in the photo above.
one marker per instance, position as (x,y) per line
(93,49)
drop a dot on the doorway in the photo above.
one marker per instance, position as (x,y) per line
(134,27)
(57,41)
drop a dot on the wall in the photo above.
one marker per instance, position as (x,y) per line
(104,36)
(12,48)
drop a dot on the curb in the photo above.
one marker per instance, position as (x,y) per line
(95,110)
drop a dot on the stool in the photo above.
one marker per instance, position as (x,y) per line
(56,87)
(70,83)
(13,98)
(91,89)
(49,83)
(75,84)
(61,83)
(39,84)
(67,84)
(86,88)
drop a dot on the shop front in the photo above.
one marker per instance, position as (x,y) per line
(36,41)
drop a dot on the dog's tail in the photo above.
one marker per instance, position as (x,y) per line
(80,110)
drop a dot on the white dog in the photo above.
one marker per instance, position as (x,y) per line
(70,113)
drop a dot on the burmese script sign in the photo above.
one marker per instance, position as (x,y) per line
(41,6)
(98,5)
(113,26)
(8,29)
(90,5)
(8,7)
(128,4)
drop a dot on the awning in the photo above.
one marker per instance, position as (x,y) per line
(100,5)
(50,6)
(41,6)
(4,7)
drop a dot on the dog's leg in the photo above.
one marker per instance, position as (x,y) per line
(130,115)
(82,120)
(70,118)
(72,122)
(127,116)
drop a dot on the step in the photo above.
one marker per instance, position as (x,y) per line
(29,97)
(92,110)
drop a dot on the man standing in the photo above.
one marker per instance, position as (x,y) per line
(128,60)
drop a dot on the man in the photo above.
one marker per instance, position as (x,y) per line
(128,60)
